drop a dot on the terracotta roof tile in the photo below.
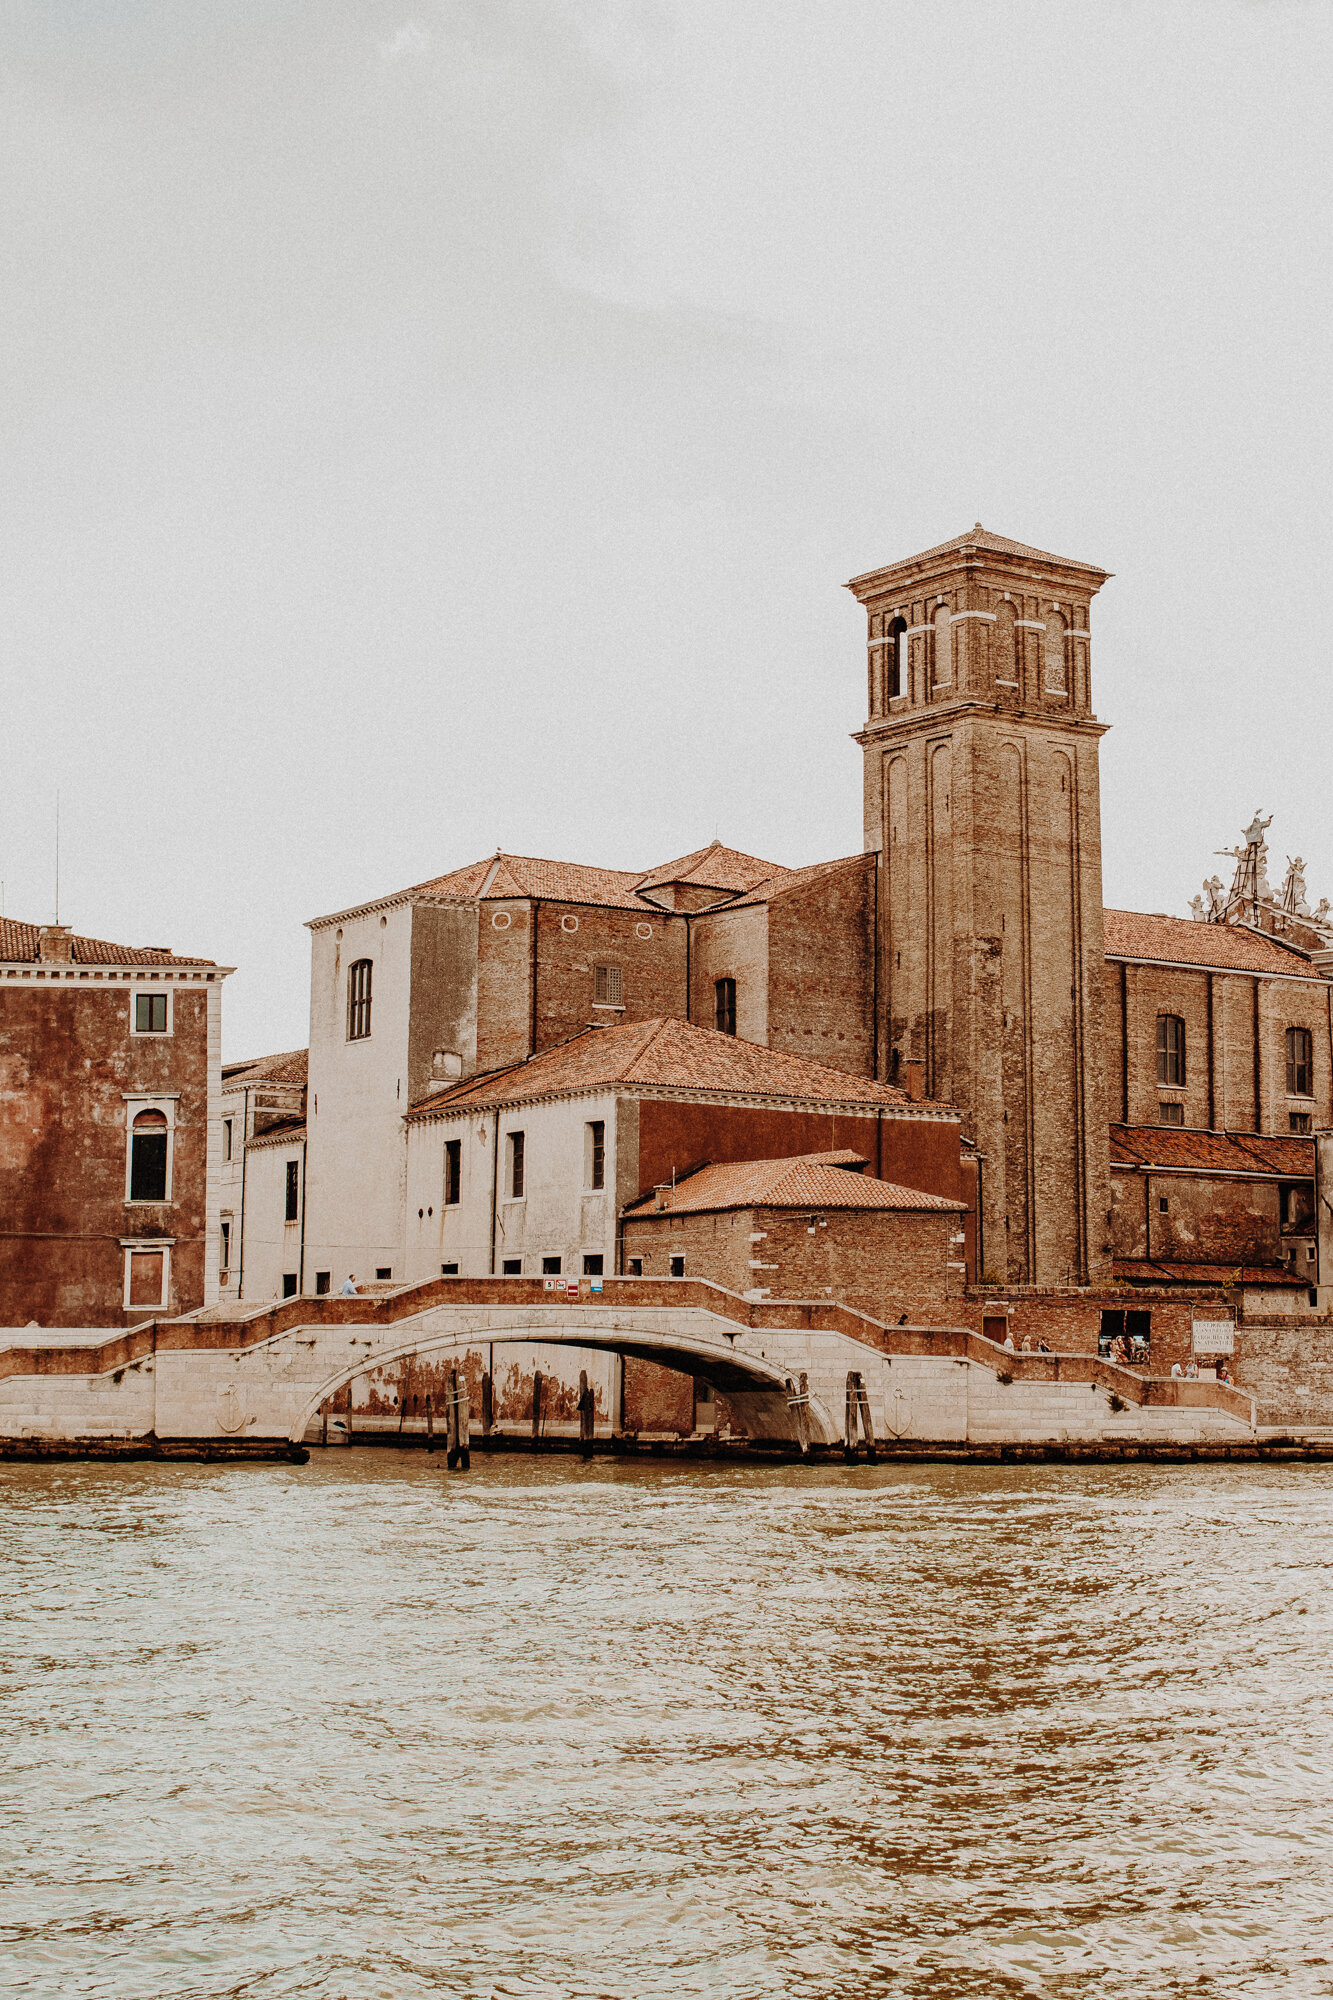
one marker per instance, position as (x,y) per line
(989,544)
(714,867)
(807,1180)
(280,1133)
(667,1054)
(18,946)
(528,876)
(289,1068)
(792,879)
(1181,941)
(1211,1152)
(1157,1271)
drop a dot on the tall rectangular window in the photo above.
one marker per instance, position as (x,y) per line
(358,1000)
(322,1282)
(226,1139)
(148,1156)
(1171,1050)
(224,1249)
(724,993)
(1300,1063)
(453,1171)
(516,1164)
(293,1190)
(146,1278)
(289,1284)
(595,1152)
(606,987)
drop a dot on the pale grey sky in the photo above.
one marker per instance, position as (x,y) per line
(429,426)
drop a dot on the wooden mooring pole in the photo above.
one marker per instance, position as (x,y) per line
(430,1425)
(537,1403)
(586,1411)
(487,1404)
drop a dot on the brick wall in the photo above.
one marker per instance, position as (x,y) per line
(66,1058)
(504,985)
(882,1263)
(1220,1011)
(731,944)
(652,967)
(821,968)
(1206,1220)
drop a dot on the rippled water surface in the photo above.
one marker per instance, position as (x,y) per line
(362,1728)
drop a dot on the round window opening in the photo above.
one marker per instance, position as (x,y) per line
(500,920)
(643,930)
(569,923)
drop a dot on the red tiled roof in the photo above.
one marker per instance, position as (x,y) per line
(672,1055)
(1181,941)
(280,1133)
(807,1180)
(714,867)
(792,879)
(1156,1271)
(989,544)
(18,946)
(288,1068)
(1211,1152)
(514,875)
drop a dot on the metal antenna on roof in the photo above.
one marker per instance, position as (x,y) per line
(57,857)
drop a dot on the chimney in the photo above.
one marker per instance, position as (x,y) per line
(55,944)
(914,1078)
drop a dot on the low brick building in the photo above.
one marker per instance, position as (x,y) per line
(109,1135)
(811,1227)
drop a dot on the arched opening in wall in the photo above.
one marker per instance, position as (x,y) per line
(943,647)
(1006,658)
(1056,676)
(895,661)
(148,1157)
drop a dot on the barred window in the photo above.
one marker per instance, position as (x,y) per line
(606,986)
(1300,1062)
(1171,1050)
(358,1000)
(293,1190)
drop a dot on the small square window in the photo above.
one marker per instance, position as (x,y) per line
(289,1284)
(384,1271)
(678,1267)
(448,1270)
(592,1264)
(636,1267)
(1309,1253)
(512,1267)
(1163,1205)
(323,1280)
(150,1013)
(1298,1121)
(550,1267)
(1171,1114)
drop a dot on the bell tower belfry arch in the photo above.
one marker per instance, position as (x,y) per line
(982,801)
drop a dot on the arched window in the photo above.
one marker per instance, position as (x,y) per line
(148,1157)
(943,647)
(1300,1062)
(724,994)
(1171,1050)
(358,1000)
(895,660)
(1056,678)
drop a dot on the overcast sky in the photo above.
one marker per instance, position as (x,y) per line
(433,426)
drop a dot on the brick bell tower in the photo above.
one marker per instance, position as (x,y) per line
(981,799)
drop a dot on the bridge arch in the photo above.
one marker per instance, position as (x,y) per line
(764,1384)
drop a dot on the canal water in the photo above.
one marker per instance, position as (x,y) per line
(360,1728)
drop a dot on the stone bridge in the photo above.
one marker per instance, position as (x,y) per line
(244,1380)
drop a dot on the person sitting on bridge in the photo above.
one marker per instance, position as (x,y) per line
(349,1290)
